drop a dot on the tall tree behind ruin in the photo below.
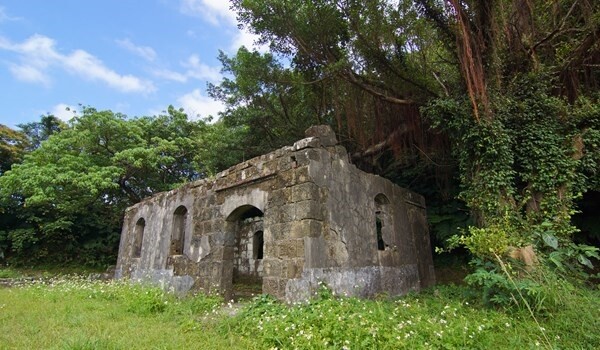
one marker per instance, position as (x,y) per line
(513,83)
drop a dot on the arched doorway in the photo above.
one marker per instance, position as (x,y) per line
(246,226)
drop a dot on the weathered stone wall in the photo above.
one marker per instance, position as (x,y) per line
(318,215)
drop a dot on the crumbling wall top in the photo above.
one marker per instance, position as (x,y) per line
(324,133)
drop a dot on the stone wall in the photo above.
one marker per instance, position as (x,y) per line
(319,220)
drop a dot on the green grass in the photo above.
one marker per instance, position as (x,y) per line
(7,272)
(46,271)
(72,313)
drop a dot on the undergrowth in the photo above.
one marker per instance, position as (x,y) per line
(74,313)
(447,317)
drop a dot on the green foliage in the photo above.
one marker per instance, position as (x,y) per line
(37,132)
(12,147)
(445,218)
(570,258)
(519,172)
(444,318)
(506,284)
(483,242)
(65,200)
(268,106)
(146,301)
(7,272)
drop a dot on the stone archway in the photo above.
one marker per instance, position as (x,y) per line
(245,229)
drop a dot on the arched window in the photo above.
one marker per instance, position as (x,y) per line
(381,219)
(138,237)
(178,230)
(258,245)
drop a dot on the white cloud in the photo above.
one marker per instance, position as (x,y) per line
(213,11)
(144,52)
(170,75)
(194,69)
(199,70)
(4,17)
(89,67)
(64,111)
(218,12)
(38,53)
(29,74)
(247,39)
(195,104)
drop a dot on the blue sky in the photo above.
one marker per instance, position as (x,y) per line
(130,56)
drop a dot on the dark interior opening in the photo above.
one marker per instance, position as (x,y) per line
(178,230)
(379,225)
(138,237)
(588,219)
(258,245)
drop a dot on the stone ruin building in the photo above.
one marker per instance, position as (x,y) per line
(280,224)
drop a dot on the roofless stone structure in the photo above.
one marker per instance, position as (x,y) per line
(284,222)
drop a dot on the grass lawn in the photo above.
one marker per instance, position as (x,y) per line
(72,313)
(76,314)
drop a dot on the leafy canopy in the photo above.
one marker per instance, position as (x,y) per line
(68,195)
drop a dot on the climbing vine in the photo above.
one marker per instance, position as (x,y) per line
(522,170)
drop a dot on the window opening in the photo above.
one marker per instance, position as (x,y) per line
(381,219)
(178,230)
(379,226)
(138,237)
(258,244)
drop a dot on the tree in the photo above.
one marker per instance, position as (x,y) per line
(268,106)
(526,134)
(512,83)
(40,131)
(359,67)
(360,54)
(68,195)
(12,147)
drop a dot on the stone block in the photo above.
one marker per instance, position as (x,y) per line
(271,285)
(291,248)
(309,209)
(305,191)
(306,228)
(324,133)
(286,249)
(272,267)
(314,154)
(342,153)
(270,249)
(286,178)
(299,248)
(309,142)
(282,282)
(279,232)
(287,212)
(294,269)
(280,197)
(286,163)
(301,175)
(228,253)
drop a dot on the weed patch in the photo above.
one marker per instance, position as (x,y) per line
(74,313)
